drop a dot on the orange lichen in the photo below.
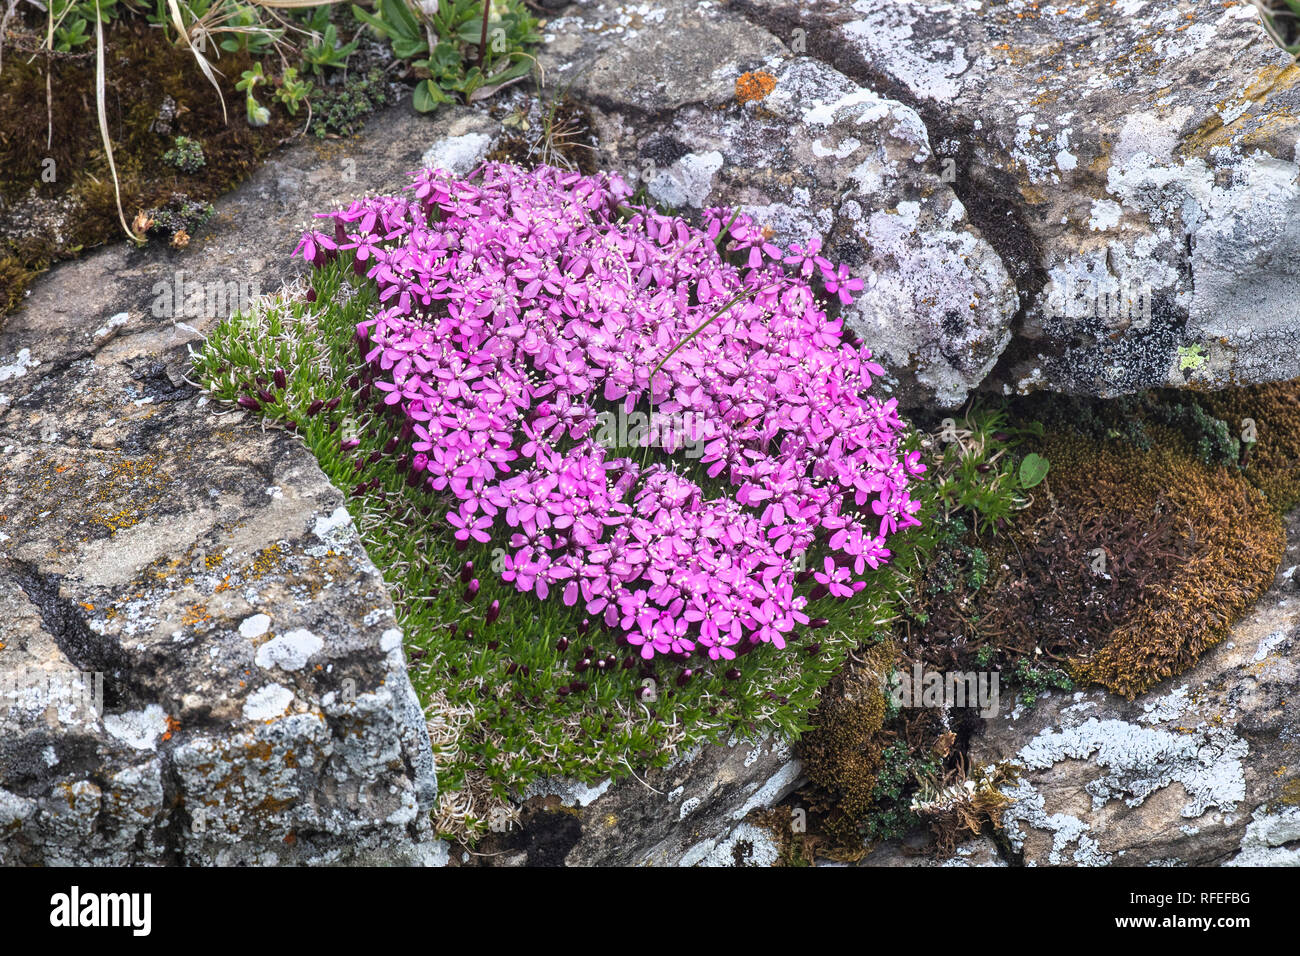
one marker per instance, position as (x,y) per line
(754,86)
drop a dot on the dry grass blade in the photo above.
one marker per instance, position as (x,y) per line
(103,120)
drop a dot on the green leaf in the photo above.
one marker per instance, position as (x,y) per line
(1033,470)
(428,96)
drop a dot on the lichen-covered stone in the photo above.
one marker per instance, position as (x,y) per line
(255,701)
(1133,163)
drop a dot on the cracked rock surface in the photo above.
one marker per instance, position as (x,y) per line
(1133,163)
(253,703)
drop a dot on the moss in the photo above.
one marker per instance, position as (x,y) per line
(1233,541)
(56,192)
(1270,462)
(843,753)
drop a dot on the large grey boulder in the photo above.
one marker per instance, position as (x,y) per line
(1133,163)
(198,661)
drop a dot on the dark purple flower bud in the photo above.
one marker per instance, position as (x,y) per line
(466,572)
(818,622)
(471,592)
(512,668)
(349,443)
(562,645)
(684,677)
(354,383)
(493,611)
(469,634)
(588,651)
(314,408)
(390,446)
(451,628)
(493,645)
(373,457)
(563,691)
(733,674)
(813,648)
(577,687)
(249,402)
(819,592)
(311,295)
(265,396)
(803,576)
(584,627)
(333,403)
(281,381)
(582,665)
(462,545)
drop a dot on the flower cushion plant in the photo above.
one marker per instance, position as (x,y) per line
(520,310)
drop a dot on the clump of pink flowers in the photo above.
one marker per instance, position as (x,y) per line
(517,306)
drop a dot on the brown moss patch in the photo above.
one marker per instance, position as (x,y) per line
(42,222)
(1272,462)
(1234,541)
(842,753)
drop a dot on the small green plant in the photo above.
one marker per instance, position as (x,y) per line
(328,53)
(186,155)
(465,48)
(245,32)
(975,472)
(899,777)
(1033,469)
(292,92)
(1034,680)
(249,81)
(340,112)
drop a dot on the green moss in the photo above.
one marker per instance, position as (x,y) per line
(342,110)
(53,173)
(186,155)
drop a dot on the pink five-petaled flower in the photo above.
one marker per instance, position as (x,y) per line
(475,528)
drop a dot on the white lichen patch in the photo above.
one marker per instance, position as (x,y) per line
(267,702)
(289,651)
(19,366)
(688,181)
(457,155)
(1271,839)
(138,728)
(254,626)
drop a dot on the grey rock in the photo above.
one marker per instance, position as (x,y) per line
(695,812)
(255,703)
(1134,164)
